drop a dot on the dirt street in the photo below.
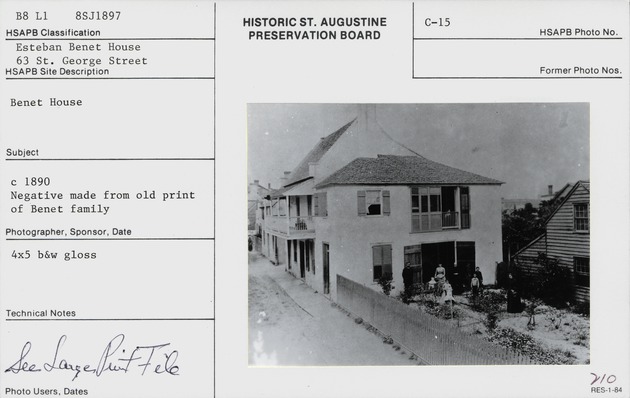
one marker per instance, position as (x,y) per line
(290,324)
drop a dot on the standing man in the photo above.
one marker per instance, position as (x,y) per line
(407,275)
(480,277)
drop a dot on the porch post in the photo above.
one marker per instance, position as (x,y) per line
(458,209)
(288,215)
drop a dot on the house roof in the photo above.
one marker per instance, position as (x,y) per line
(585,184)
(301,171)
(276,193)
(302,188)
(402,170)
(527,246)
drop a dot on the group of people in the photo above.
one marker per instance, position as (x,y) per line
(441,286)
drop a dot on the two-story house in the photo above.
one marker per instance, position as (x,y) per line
(566,238)
(361,205)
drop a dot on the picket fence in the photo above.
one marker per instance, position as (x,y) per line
(433,340)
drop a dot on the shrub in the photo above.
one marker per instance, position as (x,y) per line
(555,318)
(554,287)
(527,345)
(582,308)
(582,337)
(490,301)
(492,320)
(448,311)
(404,297)
(428,301)
(443,311)
(385,281)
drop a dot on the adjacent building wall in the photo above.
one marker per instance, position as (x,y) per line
(561,242)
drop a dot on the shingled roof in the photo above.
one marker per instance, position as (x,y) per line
(301,172)
(402,170)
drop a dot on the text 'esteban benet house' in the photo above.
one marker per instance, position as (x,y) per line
(361,205)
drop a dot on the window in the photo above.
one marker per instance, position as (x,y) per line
(582,265)
(438,208)
(295,250)
(582,269)
(297,206)
(426,209)
(374,202)
(381,261)
(580,217)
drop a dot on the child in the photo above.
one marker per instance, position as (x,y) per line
(474,285)
(431,284)
(448,292)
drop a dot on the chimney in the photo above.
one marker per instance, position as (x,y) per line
(284,179)
(269,186)
(256,182)
(312,169)
(366,119)
(550,189)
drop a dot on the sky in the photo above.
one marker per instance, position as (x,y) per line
(528,146)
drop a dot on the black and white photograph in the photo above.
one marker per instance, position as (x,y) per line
(418,234)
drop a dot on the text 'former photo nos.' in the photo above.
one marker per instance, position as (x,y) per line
(418,234)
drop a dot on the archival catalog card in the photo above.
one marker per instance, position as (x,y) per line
(314,199)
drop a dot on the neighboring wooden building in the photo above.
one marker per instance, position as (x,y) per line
(567,238)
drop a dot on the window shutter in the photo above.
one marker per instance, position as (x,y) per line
(361,203)
(387,260)
(316,204)
(377,257)
(323,204)
(386,210)
(387,254)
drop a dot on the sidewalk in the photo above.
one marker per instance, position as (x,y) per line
(290,324)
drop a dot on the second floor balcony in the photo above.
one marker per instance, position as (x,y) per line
(294,227)
(440,221)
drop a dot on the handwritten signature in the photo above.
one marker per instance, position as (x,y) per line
(113,359)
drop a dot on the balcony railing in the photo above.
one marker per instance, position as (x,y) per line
(301,224)
(290,225)
(439,221)
(450,219)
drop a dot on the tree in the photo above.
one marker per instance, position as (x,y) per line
(546,208)
(520,227)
